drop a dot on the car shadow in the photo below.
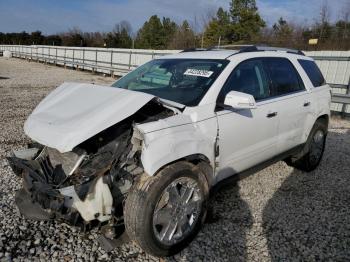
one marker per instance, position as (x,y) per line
(228,220)
(308,217)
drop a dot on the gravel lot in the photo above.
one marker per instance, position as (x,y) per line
(277,214)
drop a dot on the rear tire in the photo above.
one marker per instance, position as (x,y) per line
(163,213)
(314,148)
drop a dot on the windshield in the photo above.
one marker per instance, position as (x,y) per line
(184,81)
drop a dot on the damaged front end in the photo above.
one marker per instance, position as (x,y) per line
(85,187)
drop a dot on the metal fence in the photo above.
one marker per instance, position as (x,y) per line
(106,60)
(335,65)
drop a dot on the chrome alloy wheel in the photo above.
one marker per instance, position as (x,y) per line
(177,211)
(316,147)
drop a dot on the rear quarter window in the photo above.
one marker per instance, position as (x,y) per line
(313,72)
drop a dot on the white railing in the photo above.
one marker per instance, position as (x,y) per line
(106,60)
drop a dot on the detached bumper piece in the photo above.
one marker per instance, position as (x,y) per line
(40,199)
(48,194)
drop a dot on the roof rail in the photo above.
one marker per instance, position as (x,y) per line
(246,48)
(193,50)
(232,47)
(255,48)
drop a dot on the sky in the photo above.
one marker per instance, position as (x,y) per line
(101,15)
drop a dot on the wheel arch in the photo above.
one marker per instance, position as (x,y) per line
(200,161)
(324,117)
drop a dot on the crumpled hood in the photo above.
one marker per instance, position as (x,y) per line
(74,112)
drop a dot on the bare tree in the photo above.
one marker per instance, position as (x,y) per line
(325,14)
(346,16)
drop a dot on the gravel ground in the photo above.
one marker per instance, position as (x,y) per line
(277,214)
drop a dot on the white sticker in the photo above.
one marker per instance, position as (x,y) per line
(198,72)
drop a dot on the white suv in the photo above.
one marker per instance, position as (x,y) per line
(146,151)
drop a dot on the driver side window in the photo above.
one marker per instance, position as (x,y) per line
(248,77)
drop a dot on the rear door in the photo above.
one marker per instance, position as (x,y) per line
(291,100)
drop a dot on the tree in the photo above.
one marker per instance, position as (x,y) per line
(120,36)
(246,20)
(219,27)
(37,38)
(184,37)
(283,31)
(151,34)
(169,30)
(323,27)
(241,23)
(74,37)
(155,34)
(53,40)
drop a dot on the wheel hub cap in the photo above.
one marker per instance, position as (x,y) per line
(177,211)
(317,146)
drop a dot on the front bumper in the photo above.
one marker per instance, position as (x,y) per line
(46,194)
(39,199)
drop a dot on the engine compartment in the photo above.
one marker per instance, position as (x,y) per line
(87,186)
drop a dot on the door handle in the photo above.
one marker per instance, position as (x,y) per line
(306,104)
(273,114)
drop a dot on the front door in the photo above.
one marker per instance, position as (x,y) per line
(246,137)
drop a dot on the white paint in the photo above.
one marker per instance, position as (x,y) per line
(74,112)
(240,100)
(97,204)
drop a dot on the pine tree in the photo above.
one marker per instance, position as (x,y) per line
(246,20)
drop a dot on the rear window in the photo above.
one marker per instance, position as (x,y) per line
(284,76)
(313,72)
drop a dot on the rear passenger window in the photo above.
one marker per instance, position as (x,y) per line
(313,72)
(248,77)
(285,79)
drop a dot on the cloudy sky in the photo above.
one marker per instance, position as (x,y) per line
(100,15)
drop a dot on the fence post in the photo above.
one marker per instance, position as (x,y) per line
(56,57)
(64,58)
(95,69)
(130,60)
(83,59)
(346,107)
(112,63)
(73,59)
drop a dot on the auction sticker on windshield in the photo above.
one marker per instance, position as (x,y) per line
(198,72)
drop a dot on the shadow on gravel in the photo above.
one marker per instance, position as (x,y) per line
(223,236)
(308,217)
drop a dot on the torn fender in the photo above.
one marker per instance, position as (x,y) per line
(184,138)
(74,112)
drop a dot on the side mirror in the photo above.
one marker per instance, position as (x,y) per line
(240,100)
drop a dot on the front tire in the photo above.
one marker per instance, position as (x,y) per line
(315,145)
(163,213)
